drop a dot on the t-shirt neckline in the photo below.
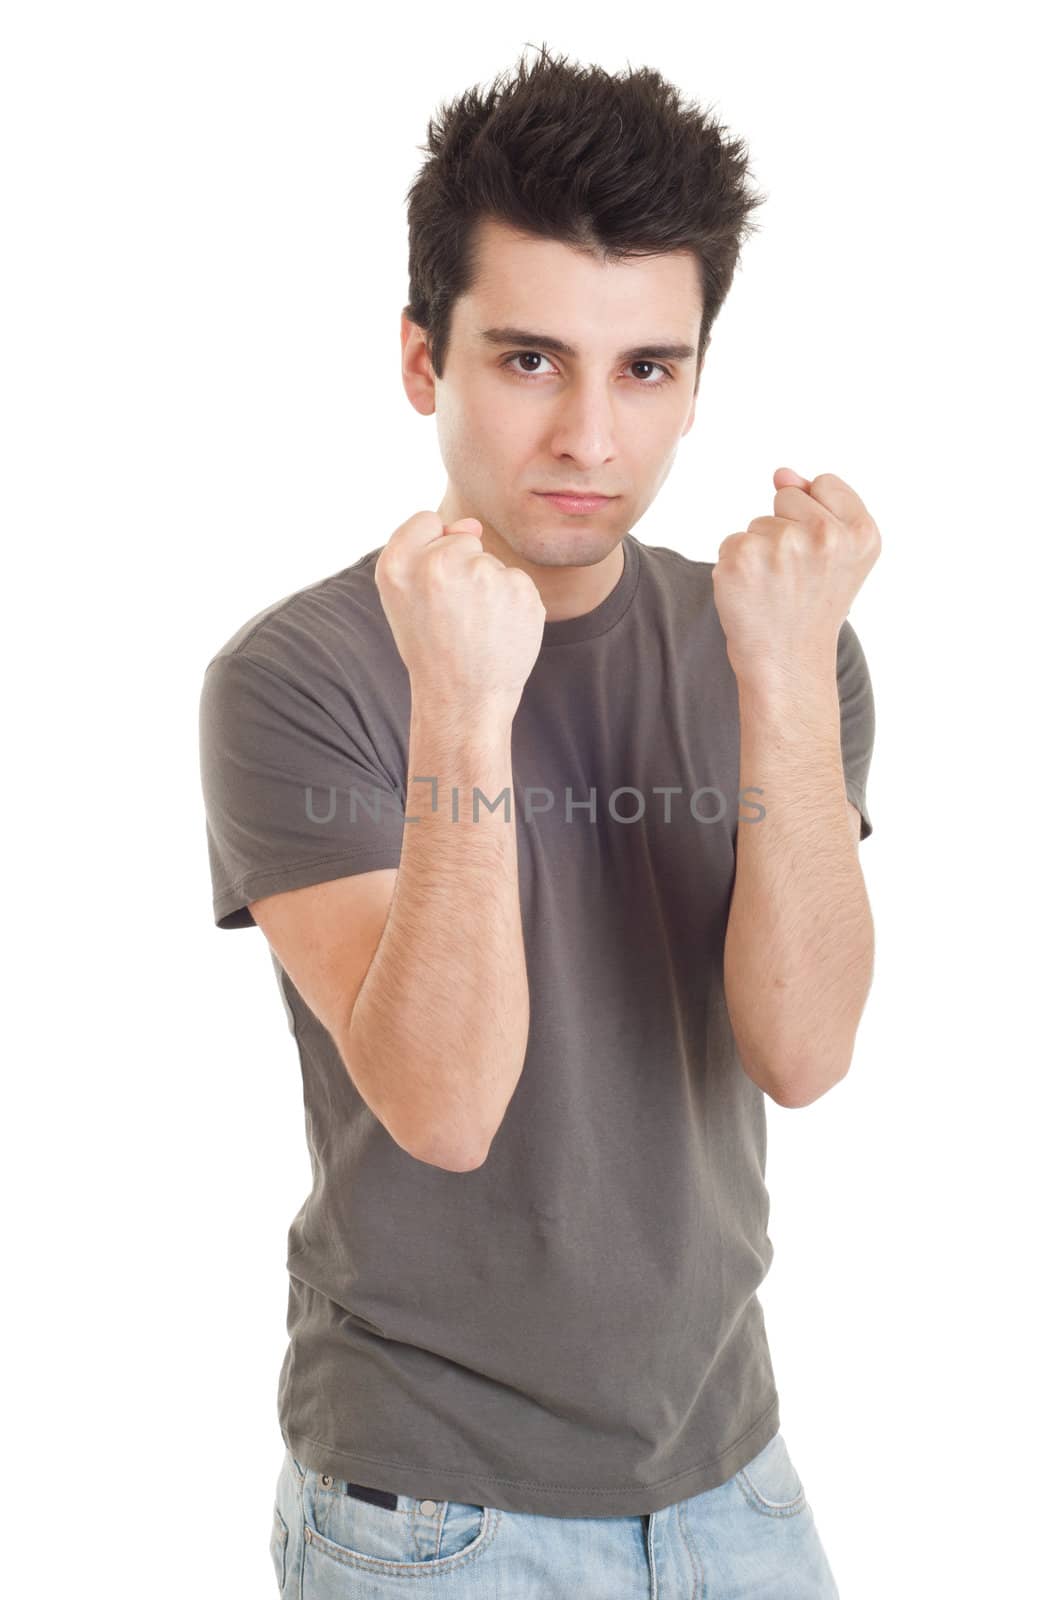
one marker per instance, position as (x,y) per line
(573,630)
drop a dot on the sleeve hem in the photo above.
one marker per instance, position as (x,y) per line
(230,903)
(856,794)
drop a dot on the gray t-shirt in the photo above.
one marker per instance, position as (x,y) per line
(572,1328)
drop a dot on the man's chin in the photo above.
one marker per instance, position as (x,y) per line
(564,547)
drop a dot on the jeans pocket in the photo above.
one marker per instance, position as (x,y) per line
(278,1547)
(770,1482)
(354,1531)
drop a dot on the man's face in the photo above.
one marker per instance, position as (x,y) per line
(515,418)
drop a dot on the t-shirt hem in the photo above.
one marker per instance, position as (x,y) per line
(471,1487)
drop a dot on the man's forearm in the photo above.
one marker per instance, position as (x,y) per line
(799,948)
(440,1026)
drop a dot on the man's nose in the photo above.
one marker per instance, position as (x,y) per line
(584,425)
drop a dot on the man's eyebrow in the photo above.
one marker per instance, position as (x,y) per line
(660,350)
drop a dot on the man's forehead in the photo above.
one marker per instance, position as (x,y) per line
(526,283)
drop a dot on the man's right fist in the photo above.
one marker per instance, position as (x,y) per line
(468,627)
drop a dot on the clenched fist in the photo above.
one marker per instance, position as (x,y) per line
(783,588)
(468,627)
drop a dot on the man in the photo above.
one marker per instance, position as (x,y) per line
(552,835)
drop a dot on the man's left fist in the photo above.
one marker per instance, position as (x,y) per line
(784,587)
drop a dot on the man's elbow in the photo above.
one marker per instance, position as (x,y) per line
(447,1161)
(452,1147)
(440,1149)
(803,1087)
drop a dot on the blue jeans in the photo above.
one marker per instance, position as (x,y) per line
(753,1536)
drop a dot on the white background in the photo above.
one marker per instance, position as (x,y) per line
(204,269)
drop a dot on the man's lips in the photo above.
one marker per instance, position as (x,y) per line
(574,503)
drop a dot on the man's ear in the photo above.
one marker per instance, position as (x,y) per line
(418,378)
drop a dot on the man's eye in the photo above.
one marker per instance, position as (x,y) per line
(525,355)
(666,376)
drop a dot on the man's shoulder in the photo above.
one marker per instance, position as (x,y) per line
(327,619)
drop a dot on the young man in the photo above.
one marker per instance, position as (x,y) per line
(552,835)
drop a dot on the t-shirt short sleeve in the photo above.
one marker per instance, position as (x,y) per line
(857,720)
(293,788)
